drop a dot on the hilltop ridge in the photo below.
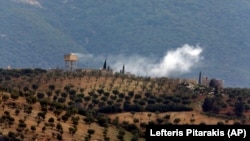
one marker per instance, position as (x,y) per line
(36,33)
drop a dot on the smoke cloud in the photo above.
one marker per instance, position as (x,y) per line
(31,2)
(178,61)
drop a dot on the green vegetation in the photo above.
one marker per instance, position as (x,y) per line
(37,37)
(60,104)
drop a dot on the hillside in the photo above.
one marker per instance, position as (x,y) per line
(37,33)
(96,105)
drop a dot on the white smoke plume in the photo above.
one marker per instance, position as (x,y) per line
(35,3)
(178,61)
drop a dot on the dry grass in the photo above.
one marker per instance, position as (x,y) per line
(93,83)
(184,117)
(48,133)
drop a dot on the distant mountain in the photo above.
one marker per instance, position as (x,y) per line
(37,33)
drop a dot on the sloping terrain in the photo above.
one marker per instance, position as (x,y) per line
(99,105)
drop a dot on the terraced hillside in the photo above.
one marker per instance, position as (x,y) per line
(99,105)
